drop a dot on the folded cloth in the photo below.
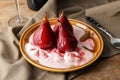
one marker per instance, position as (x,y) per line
(13,65)
(108,16)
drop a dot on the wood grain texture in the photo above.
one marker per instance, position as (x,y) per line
(106,69)
(8,10)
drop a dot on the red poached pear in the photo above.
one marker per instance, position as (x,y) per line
(63,19)
(66,40)
(56,25)
(55,29)
(44,36)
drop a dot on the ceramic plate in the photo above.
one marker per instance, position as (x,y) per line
(96,52)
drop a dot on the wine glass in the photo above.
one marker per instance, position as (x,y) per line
(18,20)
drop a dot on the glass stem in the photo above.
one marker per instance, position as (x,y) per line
(19,18)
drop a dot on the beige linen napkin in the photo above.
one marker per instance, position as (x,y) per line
(108,16)
(13,65)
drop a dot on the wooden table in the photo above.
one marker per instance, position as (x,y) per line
(8,10)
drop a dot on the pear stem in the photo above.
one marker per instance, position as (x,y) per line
(62,13)
(45,17)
